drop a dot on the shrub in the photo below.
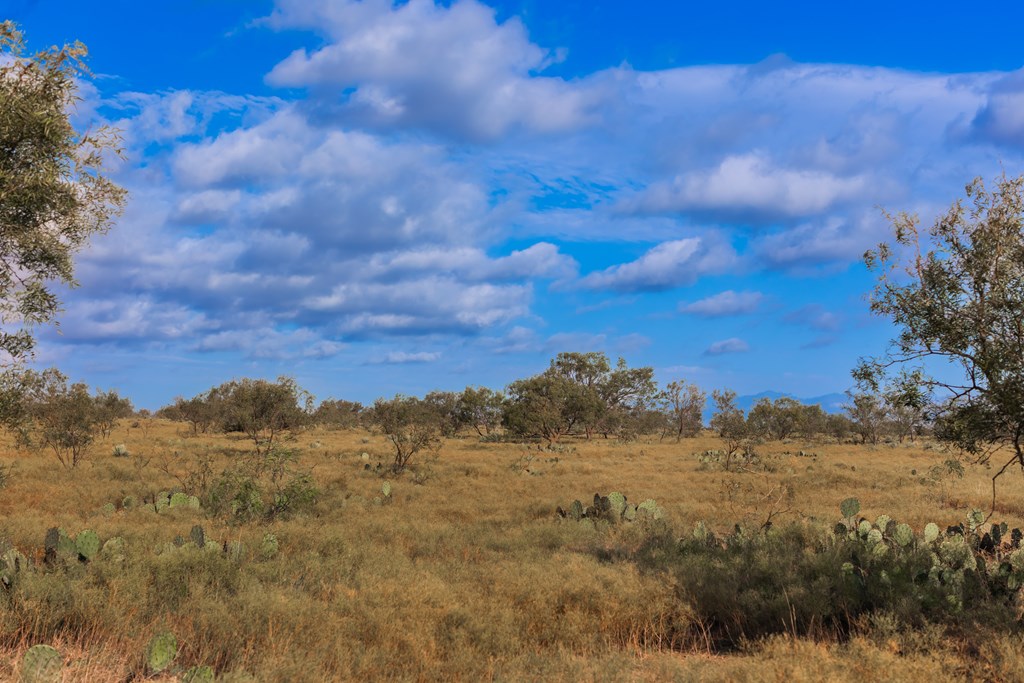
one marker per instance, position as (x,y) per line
(410,424)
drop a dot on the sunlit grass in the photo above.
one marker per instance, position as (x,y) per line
(468,576)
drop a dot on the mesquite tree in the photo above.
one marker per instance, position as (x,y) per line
(54,195)
(956,294)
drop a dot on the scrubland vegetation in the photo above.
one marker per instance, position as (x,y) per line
(275,540)
(582,524)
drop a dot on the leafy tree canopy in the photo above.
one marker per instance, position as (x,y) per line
(53,194)
(956,293)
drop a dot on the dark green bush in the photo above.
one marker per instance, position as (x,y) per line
(807,582)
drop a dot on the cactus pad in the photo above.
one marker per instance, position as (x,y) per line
(975,518)
(163,500)
(87,543)
(41,664)
(618,504)
(193,503)
(931,532)
(649,507)
(113,549)
(198,536)
(161,651)
(178,500)
(904,535)
(385,488)
(849,507)
(198,674)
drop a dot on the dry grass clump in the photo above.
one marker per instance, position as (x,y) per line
(465,576)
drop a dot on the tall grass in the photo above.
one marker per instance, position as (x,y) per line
(466,576)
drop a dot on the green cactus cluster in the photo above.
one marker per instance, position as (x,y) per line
(966,557)
(86,546)
(613,508)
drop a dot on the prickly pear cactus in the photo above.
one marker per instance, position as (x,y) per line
(268,547)
(59,545)
(931,532)
(849,507)
(198,674)
(161,651)
(576,510)
(87,543)
(178,500)
(883,522)
(113,549)
(163,501)
(12,564)
(903,535)
(975,518)
(650,508)
(129,502)
(41,664)
(618,504)
(198,536)
(193,503)
(629,514)
(385,488)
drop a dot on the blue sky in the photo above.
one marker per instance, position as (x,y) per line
(376,197)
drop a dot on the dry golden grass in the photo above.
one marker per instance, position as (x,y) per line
(466,577)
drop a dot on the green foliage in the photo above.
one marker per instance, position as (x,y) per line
(612,509)
(12,565)
(480,408)
(87,543)
(684,405)
(849,507)
(161,651)
(268,547)
(198,674)
(109,408)
(264,410)
(581,393)
(410,424)
(338,414)
(956,294)
(41,664)
(178,499)
(729,422)
(51,415)
(803,582)
(53,194)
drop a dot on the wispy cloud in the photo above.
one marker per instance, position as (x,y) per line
(731,345)
(724,304)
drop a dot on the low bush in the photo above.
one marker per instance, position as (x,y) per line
(806,581)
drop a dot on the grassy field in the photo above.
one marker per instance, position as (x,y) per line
(466,575)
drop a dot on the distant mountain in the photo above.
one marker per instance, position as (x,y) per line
(830,403)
